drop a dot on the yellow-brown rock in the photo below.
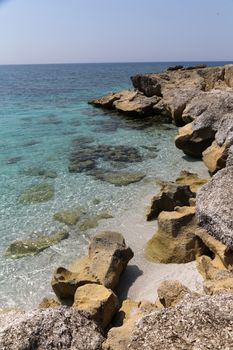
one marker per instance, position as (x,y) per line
(47,303)
(128,309)
(190,179)
(107,258)
(175,241)
(171,293)
(215,156)
(101,303)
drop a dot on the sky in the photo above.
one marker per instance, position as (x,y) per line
(79,31)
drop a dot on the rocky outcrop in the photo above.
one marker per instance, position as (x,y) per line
(175,241)
(171,195)
(50,329)
(107,258)
(196,323)
(101,303)
(215,206)
(190,179)
(171,293)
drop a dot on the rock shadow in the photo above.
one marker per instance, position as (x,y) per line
(127,279)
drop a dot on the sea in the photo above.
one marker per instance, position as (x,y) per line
(44,119)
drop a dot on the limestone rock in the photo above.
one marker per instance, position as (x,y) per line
(101,303)
(120,178)
(215,156)
(170,196)
(37,193)
(28,247)
(128,309)
(171,293)
(68,217)
(48,303)
(190,179)
(108,100)
(215,206)
(107,258)
(50,329)
(175,241)
(196,323)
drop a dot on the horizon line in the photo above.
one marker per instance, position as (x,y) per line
(112,62)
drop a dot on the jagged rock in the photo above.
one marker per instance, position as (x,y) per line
(47,303)
(196,323)
(68,217)
(170,196)
(29,247)
(215,156)
(50,329)
(37,193)
(175,241)
(217,277)
(190,179)
(108,100)
(118,337)
(108,257)
(215,206)
(171,293)
(101,303)
(212,115)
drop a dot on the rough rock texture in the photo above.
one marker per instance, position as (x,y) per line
(175,241)
(108,257)
(190,179)
(171,293)
(212,115)
(49,329)
(101,303)
(215,206)
(170,196)
(196,323)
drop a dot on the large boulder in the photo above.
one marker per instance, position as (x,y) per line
(101,303)
(175,240)
(50,329)
(196,323)
(215,206)
(107,258)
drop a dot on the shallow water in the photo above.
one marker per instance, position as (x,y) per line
(43,109)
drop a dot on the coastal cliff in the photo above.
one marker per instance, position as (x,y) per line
(195,223)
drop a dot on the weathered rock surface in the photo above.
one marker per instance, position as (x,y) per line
(49,329)
(170,196)
(175,241)
(190,179)
(108,257)
(196,323)
(101,303)
(28,247)
(215,206)
(171,293)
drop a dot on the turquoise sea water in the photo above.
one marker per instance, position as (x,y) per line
(43,112)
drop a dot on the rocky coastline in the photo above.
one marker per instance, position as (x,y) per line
(195,224)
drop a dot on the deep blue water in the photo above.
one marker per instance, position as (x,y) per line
(43,109)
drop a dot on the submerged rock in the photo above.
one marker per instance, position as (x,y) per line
(37,193)
(108,257)
(120,178)
(50,329)
(40,172)
(68,217)
(28,247)
(196,323)
(92,222)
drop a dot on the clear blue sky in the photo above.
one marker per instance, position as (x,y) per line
(60,31)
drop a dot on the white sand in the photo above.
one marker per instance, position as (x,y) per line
(142,278)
